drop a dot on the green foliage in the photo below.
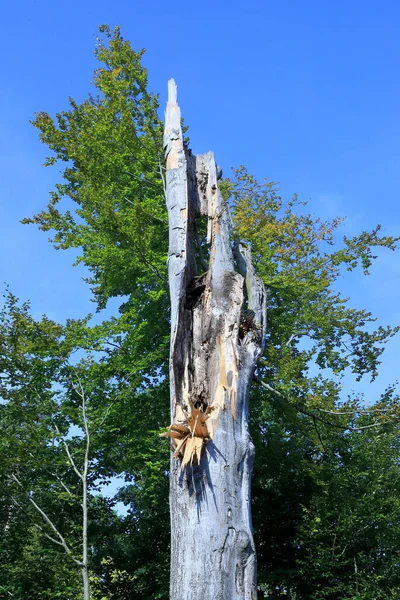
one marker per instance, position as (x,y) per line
(295,255)
(110,204)
(31,357)
(303,430)
(326,498)
(40,388)
(351,528)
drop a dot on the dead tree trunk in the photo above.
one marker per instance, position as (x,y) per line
(217,331)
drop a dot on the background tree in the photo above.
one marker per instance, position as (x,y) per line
(319,497)
(33,468)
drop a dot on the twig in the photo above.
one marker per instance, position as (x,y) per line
(18,505)
(356,411)
(290,340)
(315,416)
(319,434)
(106,413)
(8,591)
(57,477)
(71,460)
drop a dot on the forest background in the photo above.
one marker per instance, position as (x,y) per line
(321,96)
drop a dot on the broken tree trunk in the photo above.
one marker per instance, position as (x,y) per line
(217,331)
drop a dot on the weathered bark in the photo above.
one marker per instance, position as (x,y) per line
(214,349)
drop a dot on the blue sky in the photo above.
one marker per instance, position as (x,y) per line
(306,93)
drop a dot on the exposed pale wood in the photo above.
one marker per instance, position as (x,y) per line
(211,367)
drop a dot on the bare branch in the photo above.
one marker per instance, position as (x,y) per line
(84,495)
(118,346)
(47,519)
(141,178)
(319,434)
(314,416)
(67,450)
(106,413)
(268,387)
(147,263)
(356,411)
(81,393)
(8,592)
(66,488)
(290,340)
(153,216)
(19,505)
(57,477)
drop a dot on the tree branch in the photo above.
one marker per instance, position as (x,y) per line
(314,416)
(356,411)
(19,505)
(71,460)
(162,178)
(57,477)
(106,413)
(319,434)
(8,592)
(81,393)
(47,519)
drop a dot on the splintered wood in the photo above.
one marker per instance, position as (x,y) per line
(189,439)
(206,308)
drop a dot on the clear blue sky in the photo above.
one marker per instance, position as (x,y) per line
(307,93)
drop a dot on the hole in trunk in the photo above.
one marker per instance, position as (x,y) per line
(202,248)
(194,292)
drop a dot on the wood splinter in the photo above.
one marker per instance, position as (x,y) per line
(189,440)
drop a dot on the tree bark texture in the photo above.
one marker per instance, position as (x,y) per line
(217,332)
